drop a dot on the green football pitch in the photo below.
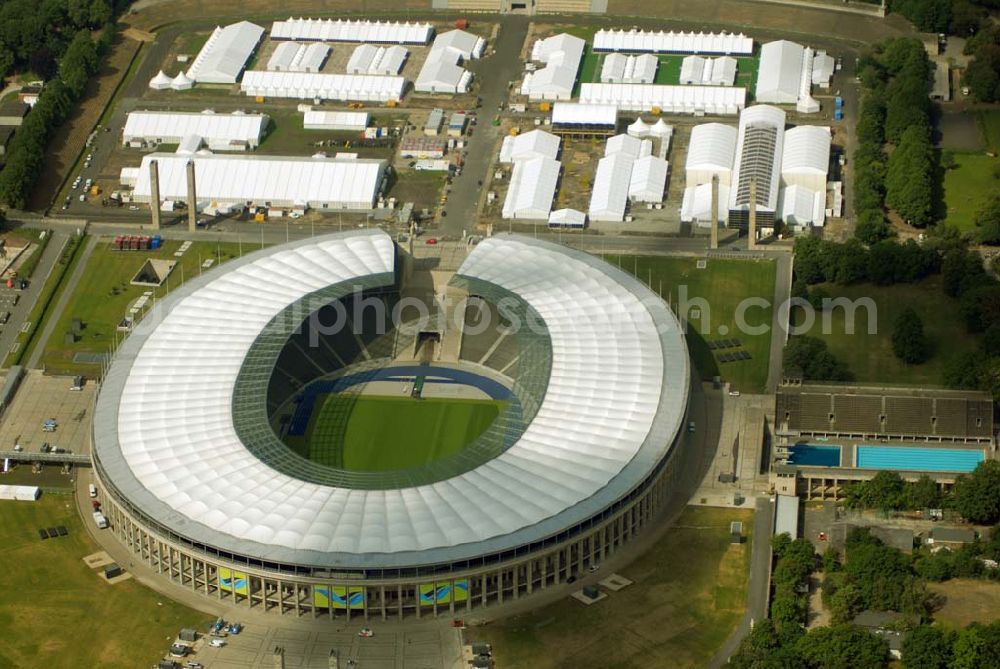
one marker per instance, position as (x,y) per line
(378,433)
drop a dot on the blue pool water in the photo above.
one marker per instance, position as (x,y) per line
(814,456)
(918,459)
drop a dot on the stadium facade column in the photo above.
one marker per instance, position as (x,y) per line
(484,589)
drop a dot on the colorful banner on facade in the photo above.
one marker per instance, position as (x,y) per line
(443,593)
(233,581)
(339,597)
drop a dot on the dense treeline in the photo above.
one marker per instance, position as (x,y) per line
(34,35)
(26,153)
(790,580)
(883,263)
(982,75)
(974,647)
(895,108)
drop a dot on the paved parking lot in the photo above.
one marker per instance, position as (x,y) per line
(42,397)
(310,649)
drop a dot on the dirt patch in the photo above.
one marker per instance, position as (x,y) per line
(967,601)
(960,132)
(69,140)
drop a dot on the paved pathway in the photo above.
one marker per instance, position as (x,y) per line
(55,313)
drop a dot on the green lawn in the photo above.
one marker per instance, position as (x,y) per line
(870,357)
(378,433)
(989,124)
(689,594)
(669,72)
(968,186)
(103,296)
(56,612)
(723,284)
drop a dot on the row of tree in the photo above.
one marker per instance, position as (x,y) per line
(883,263)
(27,151)
(34,35)
(895,108)
(976,646)
(790,580)
(835,647)
(982,75)
(975,496)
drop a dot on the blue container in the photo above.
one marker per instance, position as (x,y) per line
(838,102)
(156,242)
(838,115)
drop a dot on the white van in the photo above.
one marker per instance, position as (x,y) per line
(93,490)
(217,643)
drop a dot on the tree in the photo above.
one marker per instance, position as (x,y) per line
(962,269)
(968,648)
(923,493)
(811,357)
(909,180)
(927,647)
(983,73)
(990,341)
(909,343)
(846,603)
(762,648)
(842,647)
(977,495)
(872,226)
(988,221)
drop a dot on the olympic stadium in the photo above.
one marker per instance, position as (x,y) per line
(292,432)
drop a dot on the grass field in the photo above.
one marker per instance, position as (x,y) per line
(870,357)
(56,612)
(723,284)
(669,71)
(103,295)
(968,186)
(689,593)
(966,601)
(378,433)
(989,124)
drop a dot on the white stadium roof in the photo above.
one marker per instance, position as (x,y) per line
(169,127)
(339,30)
(711,150)
(226,53)
(533,144)
(280,180)
(531,189)
(672,42)
(292,57)
(574,113)
(164,434)
(561,54)
(317,119)
(670,99)
(307,85)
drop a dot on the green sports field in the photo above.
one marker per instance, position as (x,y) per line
(378,433)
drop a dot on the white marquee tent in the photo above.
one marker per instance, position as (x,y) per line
(561,54)
(701,71)
(308,85)
(317,119)
(805,157)
(442,71)
(340,30)
(648,180)
(672,42)
(696,205)
(574,113)
(779,72)
(567,218)
(281,181)
(369,59)
(800,206)
(532,188)
(160,82)
(219,131)
(534,144)
(621,69)
(226,53)
(611,187)
(711,150)
(292,57)
(716,100)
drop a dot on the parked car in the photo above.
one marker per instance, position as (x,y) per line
(217,643)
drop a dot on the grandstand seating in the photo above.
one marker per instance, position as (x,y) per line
(489,347)
(857,413)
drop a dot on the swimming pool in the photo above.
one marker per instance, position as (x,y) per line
(910,458)
(814,455)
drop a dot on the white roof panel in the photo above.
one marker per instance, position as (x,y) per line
(306,85)
(779,72)
(532,188)
(164,125)
(561,54)
(334,120)
(649,178)
(806,150)
(340,30)
(611,183)
(533,144)
(716,100)
(697,204)
(574,113)
(712,148)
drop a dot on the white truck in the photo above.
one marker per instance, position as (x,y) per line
(101,521)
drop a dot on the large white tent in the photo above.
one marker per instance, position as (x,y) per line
(702,71)
(561,54)
(759,144)
(226,53)
(320,119)
(442,71)
(534,144)
(292,57)
(309,85)
(711,151)
(799,206)
(716,100)
(575,114)
(787,73)
(621,69)
(236,131)
(805,157)
(567,218)
(629,145)
(532,188)
(696,205)
(370,59)
(281,181)
(22,493)
(340,30)
(609,196)
(648,180)
(672,42)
